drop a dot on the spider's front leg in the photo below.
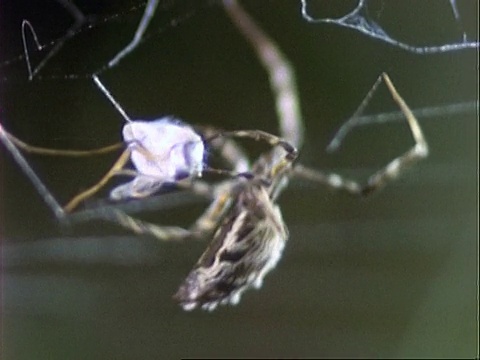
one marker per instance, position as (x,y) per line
(200,229)
(220,193)
(389,172)
(287,158)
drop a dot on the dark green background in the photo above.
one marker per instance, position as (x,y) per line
(394,275)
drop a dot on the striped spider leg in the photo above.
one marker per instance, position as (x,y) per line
(390,171)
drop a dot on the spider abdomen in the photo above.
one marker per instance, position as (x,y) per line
(243,250)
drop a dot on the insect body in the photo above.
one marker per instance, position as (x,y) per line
(163,150)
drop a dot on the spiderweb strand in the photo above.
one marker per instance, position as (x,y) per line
(79,26)
(26,25)
(80,19)
(109,96)
(356,20)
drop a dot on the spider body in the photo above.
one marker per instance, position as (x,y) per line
(246,246)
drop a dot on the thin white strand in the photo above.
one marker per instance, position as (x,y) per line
(104,90)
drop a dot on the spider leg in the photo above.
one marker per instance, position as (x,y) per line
(116,169)
(61,152)
(280,73)
(229,149)
(273,140)
(204,225)
(389,172)
(142,27)
(208,221)
(278,166)
(257,135)
(140,227)
(42,190)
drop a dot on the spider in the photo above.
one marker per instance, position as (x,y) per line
(244,220)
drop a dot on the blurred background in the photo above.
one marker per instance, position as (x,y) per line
(394,275)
